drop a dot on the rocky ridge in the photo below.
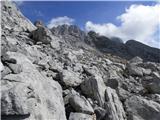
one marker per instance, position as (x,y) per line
(61,74)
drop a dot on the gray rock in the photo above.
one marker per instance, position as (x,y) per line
(113,83)
(70,78)
(15,68)
(147,53)
(146,71)
(38,23)
(33,53)
(55,43)
(81,116)
(100,113)
(70,56)
(41,34)
(5,71)
(136,60)
(155,97)
(30,92)
(123,94)
(68,93)
(132,85)
(134,70)
(28,86)
(14,99)
(139,108)
(152,84)
(151,65)
(108,62)
(1,67)
(94,87)
(44,62)
(91,71)
(114,106)
(81,104)
(69,30)
(11,15)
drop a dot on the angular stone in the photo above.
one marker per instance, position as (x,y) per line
(5,72)
(134,70)
(100,113)
(113,83)
(136,60)
(152,84)
(139,108)
(81,104)
(41,34)
(16,68)
(94,87)
(70,78)
(114,106)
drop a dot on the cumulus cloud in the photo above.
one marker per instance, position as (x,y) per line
(60,21)
(139,22)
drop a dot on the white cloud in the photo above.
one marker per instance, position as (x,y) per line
(60,21)
(139,22)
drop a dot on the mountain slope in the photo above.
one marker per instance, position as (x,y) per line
(113,45)
(55,75)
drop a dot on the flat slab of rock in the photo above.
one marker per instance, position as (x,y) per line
(31,93)
(94,88)
(81,104)
(114,106)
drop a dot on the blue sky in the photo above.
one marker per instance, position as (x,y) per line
(98,12)
(126,19)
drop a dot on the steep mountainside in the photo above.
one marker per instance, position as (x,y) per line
(66,74)
(106,45)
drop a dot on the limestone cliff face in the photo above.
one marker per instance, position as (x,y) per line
(61,74)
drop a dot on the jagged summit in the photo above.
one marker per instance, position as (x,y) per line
(106,45)
(70,75)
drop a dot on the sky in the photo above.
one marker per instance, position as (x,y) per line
(139,20)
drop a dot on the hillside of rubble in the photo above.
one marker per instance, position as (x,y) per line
(64,73)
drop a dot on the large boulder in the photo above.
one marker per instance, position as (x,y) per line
(94,88)
(152,83)
(70,78)
(135,70)
(81,104)
(100,113)
(114,107)
(30,94)
(136,60)
(41,34)
(139,108)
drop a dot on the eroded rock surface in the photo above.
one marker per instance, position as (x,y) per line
(67,74)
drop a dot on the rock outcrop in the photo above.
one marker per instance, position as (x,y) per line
(128,50)
(66,74)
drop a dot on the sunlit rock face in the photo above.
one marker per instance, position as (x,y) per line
(67,74)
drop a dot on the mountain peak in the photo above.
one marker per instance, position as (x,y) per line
(59,75)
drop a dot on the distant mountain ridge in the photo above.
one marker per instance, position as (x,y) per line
(67,74)
(113,45)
